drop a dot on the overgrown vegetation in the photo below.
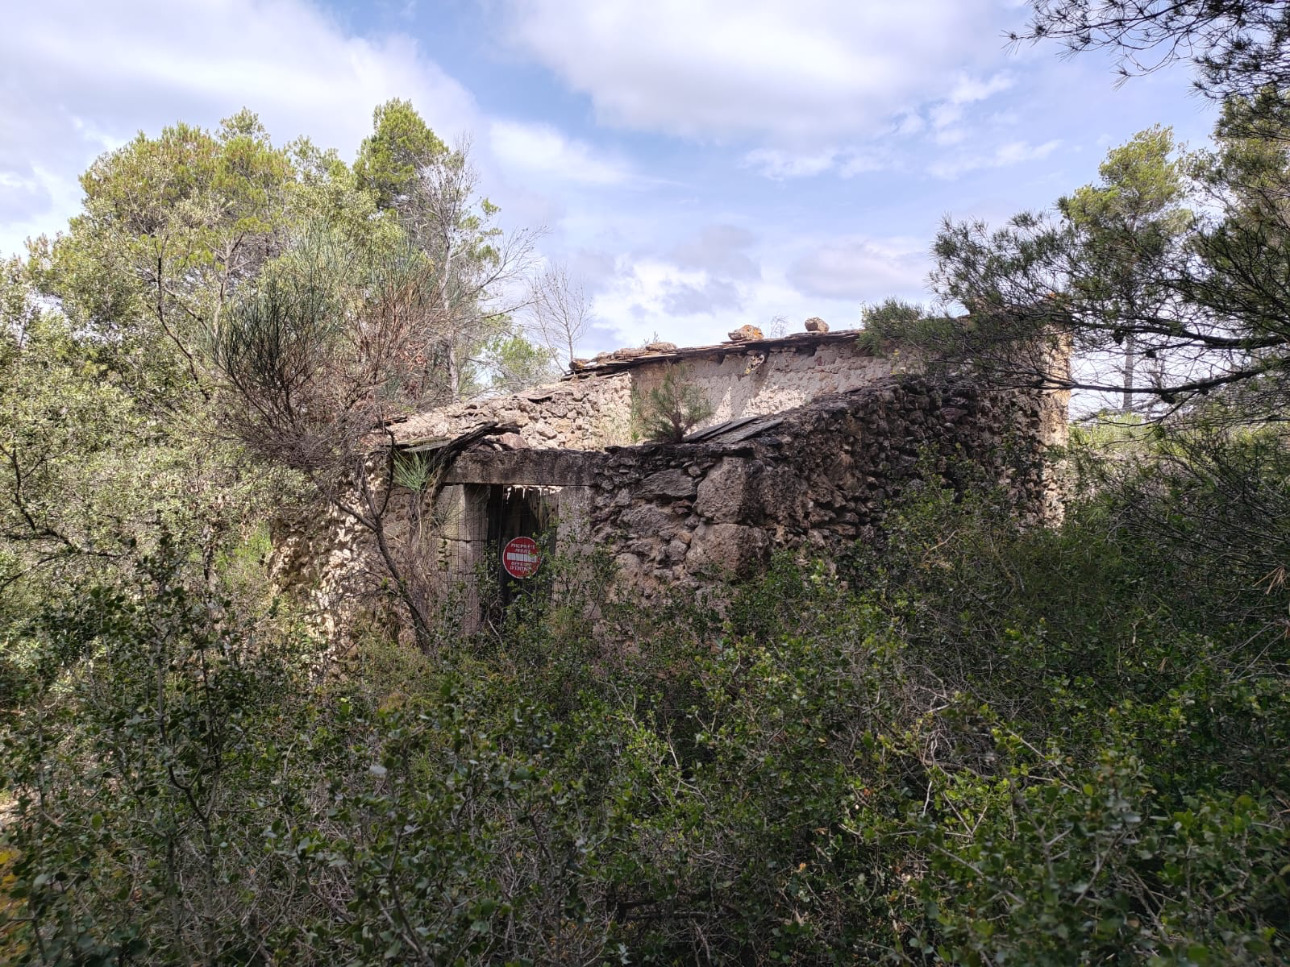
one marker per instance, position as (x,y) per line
(1060,746)
(973,743)
(667,412)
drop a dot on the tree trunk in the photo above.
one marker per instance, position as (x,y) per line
(1130,362)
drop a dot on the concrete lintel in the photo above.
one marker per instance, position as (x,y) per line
(526,468)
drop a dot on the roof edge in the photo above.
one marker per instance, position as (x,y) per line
(645,357)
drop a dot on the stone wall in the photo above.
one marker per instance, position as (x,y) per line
(819,477)
(819,480)
(783,375)
(325,561)
(593,410)
(581,414)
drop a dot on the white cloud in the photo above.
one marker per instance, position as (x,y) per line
(652,296)
(83,76)
(633,302)
(862,269)
(539,150)
(968,90)
(689,299)
(721,250)
(779,165)
(692,301)
(651,287)
(946,126)
(862,162)
(947,116)
(795,73)
(910,123)
(1011,153)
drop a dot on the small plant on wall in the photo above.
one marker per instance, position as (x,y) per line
(666,413)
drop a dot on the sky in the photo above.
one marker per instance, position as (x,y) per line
(697,164)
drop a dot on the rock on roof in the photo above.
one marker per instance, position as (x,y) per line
(622,359)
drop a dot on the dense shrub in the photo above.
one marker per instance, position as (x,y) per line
(975,744)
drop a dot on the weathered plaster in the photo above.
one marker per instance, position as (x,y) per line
(851,432)
(754,382)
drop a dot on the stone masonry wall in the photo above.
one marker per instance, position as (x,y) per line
(742,382)
(686,514)
(581,414)
(595,411)
(693,513)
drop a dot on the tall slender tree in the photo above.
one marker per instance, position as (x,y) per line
(1126,228)
(1203,296)
(431,192)
(391,160)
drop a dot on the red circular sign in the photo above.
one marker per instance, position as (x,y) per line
(521,557)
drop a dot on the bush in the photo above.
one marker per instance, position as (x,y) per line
(666,413)
(977,744)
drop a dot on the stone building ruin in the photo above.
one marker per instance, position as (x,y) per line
(811,436)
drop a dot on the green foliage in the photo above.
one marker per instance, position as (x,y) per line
(413,471)
(975,744)
(1127,223)
(667,412)
(164,727)
(430,195)
(1139,182)
(172,228)
(893,323)
(964,743)
(1128,226)
(89,477)
(515,363)
(401,144)
(1166,278)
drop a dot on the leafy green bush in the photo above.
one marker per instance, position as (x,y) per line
(667,412)
(974,744)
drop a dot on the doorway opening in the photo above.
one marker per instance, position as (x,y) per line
(516,511)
